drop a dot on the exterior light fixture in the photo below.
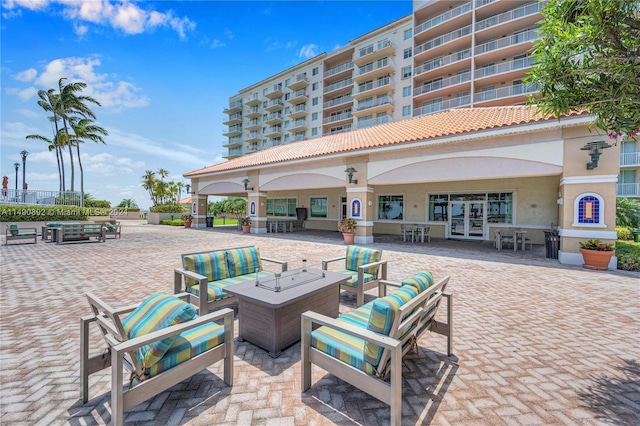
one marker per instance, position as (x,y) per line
(189,189)
(246,184)
(17,166)
(24,154)
(595,149)
(350,171)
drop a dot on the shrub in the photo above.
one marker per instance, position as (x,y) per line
(628,254)
(624,233)
(174,222)
(103,204)
(168,208)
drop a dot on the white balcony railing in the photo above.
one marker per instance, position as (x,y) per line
(441,84)
(372,48)
(374,121)
(505,92)
(628,190)
(511,15)
(441,62)
(630,158)
(338,101)
(337,117)
(34,197)
(381,63)
(443,18)
(446,38)
(373,85)
(441,106)
(503,67)
(507,41)
(374,103)
(338,69)
(233,105)
(341,129)
(338,85)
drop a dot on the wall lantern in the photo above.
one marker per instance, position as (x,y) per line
(246,184)
(350,171)
(189,189)
(595,149)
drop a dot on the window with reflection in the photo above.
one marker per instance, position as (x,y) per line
(281,207)
(500,207)
(391,207)
(318,207)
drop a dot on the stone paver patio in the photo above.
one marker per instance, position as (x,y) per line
(536,342)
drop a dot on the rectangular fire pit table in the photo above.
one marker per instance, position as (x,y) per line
(270,312)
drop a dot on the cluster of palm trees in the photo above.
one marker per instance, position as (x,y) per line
(72,122)
(161,192)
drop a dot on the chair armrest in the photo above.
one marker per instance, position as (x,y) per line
(326,262)
(383,284)
(367,335)
(178,273)
(280,262)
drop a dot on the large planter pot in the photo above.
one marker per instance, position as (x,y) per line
(246,229)
(348,238)
(596,259)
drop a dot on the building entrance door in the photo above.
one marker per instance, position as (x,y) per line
(467,220)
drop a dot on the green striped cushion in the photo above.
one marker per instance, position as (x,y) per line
(383,313)
(13,229)
(188,345)
(353,281)
(242,261)
(216,289)
(357,256)
(347,348)
(92,228)
(109,227)
(157,312)
(212,265)
(420,281)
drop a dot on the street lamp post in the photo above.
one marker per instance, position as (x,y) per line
(24,154)
(17,166)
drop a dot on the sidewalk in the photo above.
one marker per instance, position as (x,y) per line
(535,342)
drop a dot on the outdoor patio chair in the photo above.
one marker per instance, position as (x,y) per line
(364,267)
(365,347)
(113,229)
(13,233)
(161,341)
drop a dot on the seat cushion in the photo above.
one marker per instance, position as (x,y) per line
(187,345)
(242,261)
(157,312)
(353,281)
(109,227)
(420,281)
(358,256)
(212,265)
(345,347)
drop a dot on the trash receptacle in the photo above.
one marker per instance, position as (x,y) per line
(636,235)
(209,221)
(552,244)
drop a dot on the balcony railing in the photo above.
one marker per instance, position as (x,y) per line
(338,85)
(440,84)
(235,128)
(520,12)
(338,101)
(441,62)
(381,63)
(441,106)
(446,38)
(34,197)
(372,48)
(337,117)
(373,85)
(505,92)
(342,129)
(516,64)
(507,41)
(298,108)
(338,69)
(628,190)
(374,121)
(442,18)
(630,158)
(234,152)
(374,103)
(234,105)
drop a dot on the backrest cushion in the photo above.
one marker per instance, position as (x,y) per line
(358,256)
(109,226)
(420,281)
(383,314)
(13,229)
(212,265)
(157,312)
(243,261)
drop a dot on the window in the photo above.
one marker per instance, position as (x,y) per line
(314,101)
(315,71)
(286,137)
(406,110)
(314,116)
(281,207)
(286,82)
(318,206)
(287,96)
(408,33)
(314,131)
(391,207)
(287,110)
(439,208)
(406,72)
(408,52)
(406,91)
(500,208)
(314,86)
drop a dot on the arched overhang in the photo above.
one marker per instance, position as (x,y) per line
(222,188)
(302,181)
(464,168)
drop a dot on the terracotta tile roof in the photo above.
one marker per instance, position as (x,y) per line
(446,123)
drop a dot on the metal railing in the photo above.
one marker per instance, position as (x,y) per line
(441,62)
(628,190)
(374,85)
(345,128)
(374,121)
(338,101)
(338,69)
(440,84)
(362,105)
(516,64)
(507,41)
(446,38)
(31,197)
(372,48)
(505,92)
(380,63)
(630,158)
(338,84)
(511,15)
(441,106)
(337,117)
(443,18)
(232,105)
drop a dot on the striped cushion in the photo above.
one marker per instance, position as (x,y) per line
(13,229)
(109,227)
(212,265)
(383,313)
(216,289)
(353,281)
(157,312)
(53,224)
(242,261)
(93,229)
(188,345)
(420,281)
(346,348)
(357,256)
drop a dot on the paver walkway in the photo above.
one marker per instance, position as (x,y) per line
(535,342)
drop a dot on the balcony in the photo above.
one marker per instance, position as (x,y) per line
(273,131)
(253,100)
(233,107)
(506,46)
(299,96)
(254,124)
(234,153)
(497,96)
(373,51)
(374,106)
(374,121)
(445,61)
(234,118)
(274,118)
(274,91)
(503,71)
(338,102)
(339,86)
(455,40)
(339,70)
(298,111)
(234,141)
(298,126)
(630,159)
(373,88)
(337,118)
(447,17)
(440,84)
(510,21)
(236,129)
(254,112)
(631,190)
(441,106)
(339,129)
(254,136)
(373,69)
(300,81)
(274,105)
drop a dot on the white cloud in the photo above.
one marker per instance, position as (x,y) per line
(217,43)
(28,113)
(276,45)
(24,94)
(229,34)
(308,51)
(26,75)
(80,30)
(27,4)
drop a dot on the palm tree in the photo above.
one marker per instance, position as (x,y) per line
(163,173)
(84,129)
(51,145)
(148,183)
(128,202)
(48,101)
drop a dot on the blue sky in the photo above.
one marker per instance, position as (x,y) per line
(163,72)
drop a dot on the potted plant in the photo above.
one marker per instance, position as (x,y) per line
(187,219)
(245,222)
(348,228)
(596,254)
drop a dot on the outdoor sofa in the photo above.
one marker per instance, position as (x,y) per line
(79,232)
(15,233)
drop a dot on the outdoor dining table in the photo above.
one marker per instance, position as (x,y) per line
(516,234)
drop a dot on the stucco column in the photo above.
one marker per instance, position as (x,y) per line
(257,211)
(360,200)
(199,210)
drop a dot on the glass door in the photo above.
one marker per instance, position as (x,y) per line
(467,220)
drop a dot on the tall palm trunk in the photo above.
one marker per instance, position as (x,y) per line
(81,171)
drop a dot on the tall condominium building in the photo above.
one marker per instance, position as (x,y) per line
(446,54)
